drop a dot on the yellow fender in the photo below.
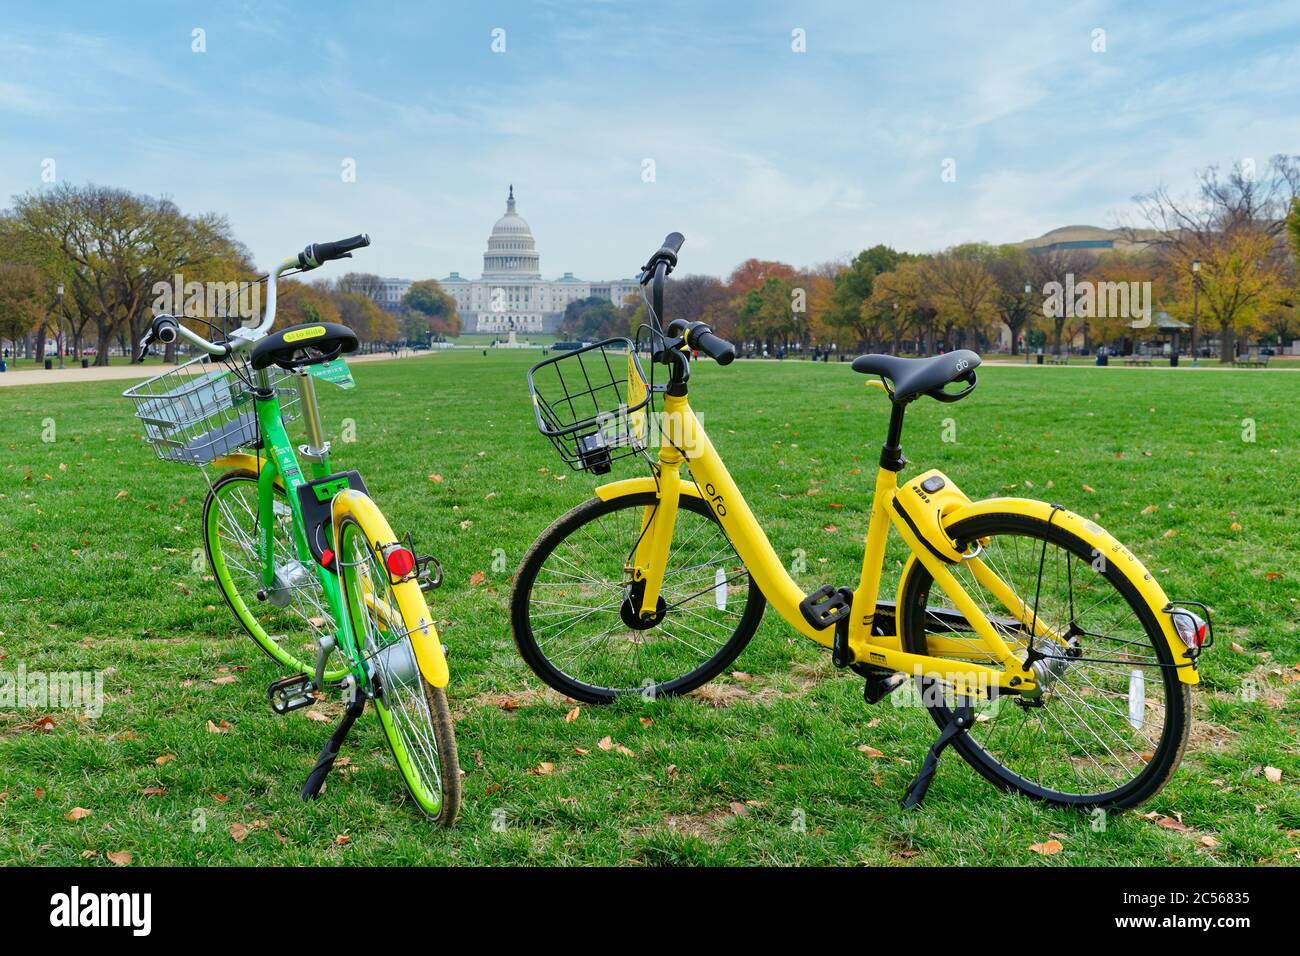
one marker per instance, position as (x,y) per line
(1105,544)
(635,486)
(409,597)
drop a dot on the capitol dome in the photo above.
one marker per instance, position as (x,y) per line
(511,250)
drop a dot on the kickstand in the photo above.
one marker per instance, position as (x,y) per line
(962,718)
(316,779)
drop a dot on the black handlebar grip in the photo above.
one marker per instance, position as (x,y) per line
(720,350)
(320,253)
(673,243)
(165,329)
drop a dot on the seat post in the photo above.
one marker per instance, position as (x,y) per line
(891,453)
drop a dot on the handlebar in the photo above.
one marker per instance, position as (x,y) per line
(166,328)
(319,253)
(701,338)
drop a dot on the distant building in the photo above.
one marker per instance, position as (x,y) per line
(391,292)
(511,293)
(1093,239)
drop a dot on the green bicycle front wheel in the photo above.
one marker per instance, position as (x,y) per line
(294,613)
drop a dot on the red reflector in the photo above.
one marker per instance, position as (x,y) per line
(326,558)
(400,562)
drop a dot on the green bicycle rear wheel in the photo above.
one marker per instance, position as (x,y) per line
(296,613)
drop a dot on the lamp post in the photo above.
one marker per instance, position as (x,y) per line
(62,341)
(1196,289)
(1029,290)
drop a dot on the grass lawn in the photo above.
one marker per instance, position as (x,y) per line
(101,570)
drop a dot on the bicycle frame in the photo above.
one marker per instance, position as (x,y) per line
(685,442)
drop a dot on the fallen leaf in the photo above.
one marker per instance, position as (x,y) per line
(605,743)
(436,479)
(228,679)
(1273,774)
(1208,842)
(870,751)
(1170,533)
(77,813)
(1234,527)
(672,770)
(122,493)
(153,791)
(119,857)
(1237,648)
(477,578)
(342,839)
(1169,823)
(1050,847)
(317,716)
(238,832)
(580,751)
(507,703)
(1089,489)
(542,769)
(742,676)
(1272,575)
(646,722)
(572,715)
(624,750)
(1150,509)
(222,728)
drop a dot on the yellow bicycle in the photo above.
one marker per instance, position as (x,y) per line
(1049,656)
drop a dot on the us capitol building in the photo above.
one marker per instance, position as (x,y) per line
(511,294)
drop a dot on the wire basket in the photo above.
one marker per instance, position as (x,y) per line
(594,404)
(203,409)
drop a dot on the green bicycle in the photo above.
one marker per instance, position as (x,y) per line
(307,562)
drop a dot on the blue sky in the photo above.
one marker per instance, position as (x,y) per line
(758,150)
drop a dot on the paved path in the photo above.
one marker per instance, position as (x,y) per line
(104,373)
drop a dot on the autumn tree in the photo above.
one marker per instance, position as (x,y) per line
(22,306)
(428,299)
(962,290)
(1234,227)
(852,308)
(111,247)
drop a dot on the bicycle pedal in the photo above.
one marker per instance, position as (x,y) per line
(826,606)
(291,693)
(879,684)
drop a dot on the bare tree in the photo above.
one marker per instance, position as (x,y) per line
(1233,227)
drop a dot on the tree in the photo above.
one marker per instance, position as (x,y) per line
(963,290)
(371,323)
(592,319)
(1233,227)
(428,299)
(766,314)
(298,303)
(903,296)
(851,306)
(111,247)
(22,306)
(1015,307)
(365,283)
(1064,268)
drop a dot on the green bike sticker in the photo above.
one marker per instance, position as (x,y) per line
(335,372)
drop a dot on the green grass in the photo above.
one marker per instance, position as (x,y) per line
(98,542)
